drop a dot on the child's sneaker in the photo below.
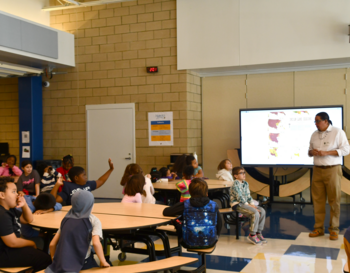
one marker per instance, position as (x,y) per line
(254,239)
(261,238)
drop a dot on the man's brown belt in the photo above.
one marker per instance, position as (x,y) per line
(326,167)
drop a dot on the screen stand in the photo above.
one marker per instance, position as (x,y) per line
(272,184)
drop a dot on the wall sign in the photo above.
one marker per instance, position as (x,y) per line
(160,129)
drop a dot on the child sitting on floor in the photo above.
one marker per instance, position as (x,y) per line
(29,182)
(225,170)
(191,160)
(67,164)
(44,203)
(240,193)
(133,169)
(201,220)
(14,250)
(183,185)
(70,249)
(134,189)
(48,177)
(9,168)
(79,182)
(165,173)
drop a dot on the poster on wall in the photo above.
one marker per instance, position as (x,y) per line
(160,129)
(25,137)
(25,151)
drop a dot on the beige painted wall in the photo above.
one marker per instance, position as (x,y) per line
(224,96)
(9,123)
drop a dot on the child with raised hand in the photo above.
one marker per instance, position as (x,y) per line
(79,182)
(29,182)
(14,250)
(134,189)
(165,173)
(44,203)
(201,220)
(191,160)
(134,169)
(70,249)
(240,193)
(9,168)
(49,177)
(184,185)
(225,170)
(67,164)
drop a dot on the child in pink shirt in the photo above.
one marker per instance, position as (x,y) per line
(9,168)
(183,186)
(134,189)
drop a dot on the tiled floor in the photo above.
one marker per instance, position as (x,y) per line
(289,249)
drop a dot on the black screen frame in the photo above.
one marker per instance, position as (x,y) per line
(282,108)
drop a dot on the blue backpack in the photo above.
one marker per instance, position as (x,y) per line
(199,225)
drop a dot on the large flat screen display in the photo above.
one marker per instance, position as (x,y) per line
(281,136)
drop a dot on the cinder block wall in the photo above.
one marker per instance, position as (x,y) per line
(114,44)
(9,123)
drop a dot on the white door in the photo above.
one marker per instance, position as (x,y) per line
(110,133)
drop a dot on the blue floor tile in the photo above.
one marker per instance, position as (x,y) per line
(313,252)
(217,262)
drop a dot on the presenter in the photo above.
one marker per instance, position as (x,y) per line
(327,145)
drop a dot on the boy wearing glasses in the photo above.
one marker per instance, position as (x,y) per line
(240,193)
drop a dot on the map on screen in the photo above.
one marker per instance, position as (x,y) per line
(281,136)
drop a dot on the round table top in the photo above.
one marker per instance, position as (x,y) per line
(211,186)
(128,209)
(53,220)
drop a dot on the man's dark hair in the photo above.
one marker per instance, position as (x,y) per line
(75,171)
(188,171)
(44,201)
(198,188)
(3,182)
(324,116)
(25,163)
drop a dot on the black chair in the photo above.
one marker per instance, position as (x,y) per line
(55,163)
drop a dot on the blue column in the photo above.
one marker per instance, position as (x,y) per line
(30,100)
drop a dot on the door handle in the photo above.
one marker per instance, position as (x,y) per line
(128,158)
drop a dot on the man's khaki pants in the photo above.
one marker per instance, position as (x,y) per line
(326,183)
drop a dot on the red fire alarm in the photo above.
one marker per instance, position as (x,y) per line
(152,69)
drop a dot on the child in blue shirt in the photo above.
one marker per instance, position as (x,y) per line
(79,182)
(192,161)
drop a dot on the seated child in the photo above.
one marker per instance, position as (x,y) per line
(191,160)
(165,173)
(67,164)
(201,220)
(14,250)
(29,182)
(240,192)
(70,249)
(48,177)
(224,170)
(183,185)
(9,168)
(79,182)
(133,169)
(44,203)
(179,166)
(134,189)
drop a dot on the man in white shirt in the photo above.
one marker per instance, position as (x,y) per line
(327,145)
